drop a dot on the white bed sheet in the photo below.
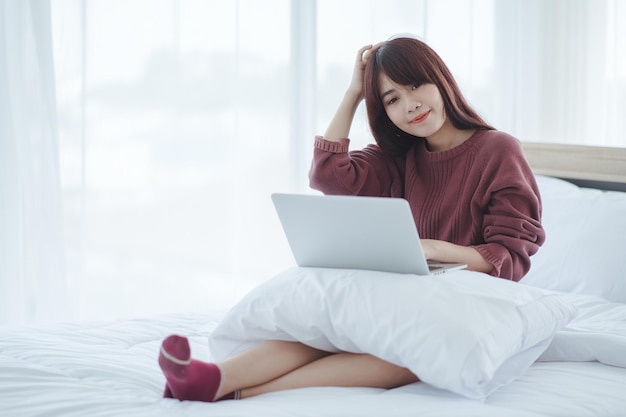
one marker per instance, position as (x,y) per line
(110,369)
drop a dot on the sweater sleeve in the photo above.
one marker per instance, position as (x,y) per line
(512,227)
(369,171)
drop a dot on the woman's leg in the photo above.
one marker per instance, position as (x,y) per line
(341,369)
(190,379)
(271,366)
(264,363)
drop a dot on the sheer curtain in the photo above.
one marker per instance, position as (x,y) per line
(174,130)
(32,280)
(149,192)
(563,70)
(542,70)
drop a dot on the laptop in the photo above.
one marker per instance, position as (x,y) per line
(372,233)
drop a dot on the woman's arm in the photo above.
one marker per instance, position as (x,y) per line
(368,171)
(441,251)
(340,124)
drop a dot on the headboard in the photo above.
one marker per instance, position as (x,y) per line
(587,166)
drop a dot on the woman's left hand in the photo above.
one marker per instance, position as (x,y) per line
(442,251)
(428,245)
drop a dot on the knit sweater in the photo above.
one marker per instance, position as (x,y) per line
(481,193)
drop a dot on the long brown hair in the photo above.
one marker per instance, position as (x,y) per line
(408,61)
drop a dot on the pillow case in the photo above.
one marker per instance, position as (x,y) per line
(468,333)
(585,241)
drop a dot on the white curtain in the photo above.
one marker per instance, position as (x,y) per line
(560,69)
(174,122)
(542,70)
(178,118)
(32,279)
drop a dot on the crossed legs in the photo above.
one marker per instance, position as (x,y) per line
(273,366)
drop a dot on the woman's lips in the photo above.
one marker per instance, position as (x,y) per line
(419,119)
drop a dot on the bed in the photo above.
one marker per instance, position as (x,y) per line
(574,367)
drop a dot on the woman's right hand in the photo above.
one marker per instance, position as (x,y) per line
(339,126)
(362,56)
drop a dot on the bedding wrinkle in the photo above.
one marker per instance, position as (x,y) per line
(100,377)
(594,383)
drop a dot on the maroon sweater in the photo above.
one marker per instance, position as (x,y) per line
(481,193)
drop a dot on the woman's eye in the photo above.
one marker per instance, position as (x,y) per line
(415,86)
(393,100)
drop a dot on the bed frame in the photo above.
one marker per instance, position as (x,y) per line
(587,166)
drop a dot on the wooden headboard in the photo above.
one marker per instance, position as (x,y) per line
(589,166)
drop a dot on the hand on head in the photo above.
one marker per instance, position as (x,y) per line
(362,57)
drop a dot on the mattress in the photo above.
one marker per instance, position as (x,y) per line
(110,369)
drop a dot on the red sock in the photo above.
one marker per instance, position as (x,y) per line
(188,379)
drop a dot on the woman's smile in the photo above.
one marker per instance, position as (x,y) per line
(420,118)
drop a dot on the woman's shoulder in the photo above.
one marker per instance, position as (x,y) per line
(496,142)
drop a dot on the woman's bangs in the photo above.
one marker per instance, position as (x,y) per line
(402,68)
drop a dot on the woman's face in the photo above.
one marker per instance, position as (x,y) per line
(415,109)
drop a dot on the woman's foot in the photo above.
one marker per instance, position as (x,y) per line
(189,379)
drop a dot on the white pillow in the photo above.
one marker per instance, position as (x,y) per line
(585,248)
(469,333)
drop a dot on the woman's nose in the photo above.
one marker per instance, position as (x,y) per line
(414,105)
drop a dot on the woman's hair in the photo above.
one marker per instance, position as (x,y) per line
(407,61)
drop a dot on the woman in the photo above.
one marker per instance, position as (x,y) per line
(471,191)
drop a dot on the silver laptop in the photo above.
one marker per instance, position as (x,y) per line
(372,233)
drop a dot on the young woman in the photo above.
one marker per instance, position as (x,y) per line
(472,193)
